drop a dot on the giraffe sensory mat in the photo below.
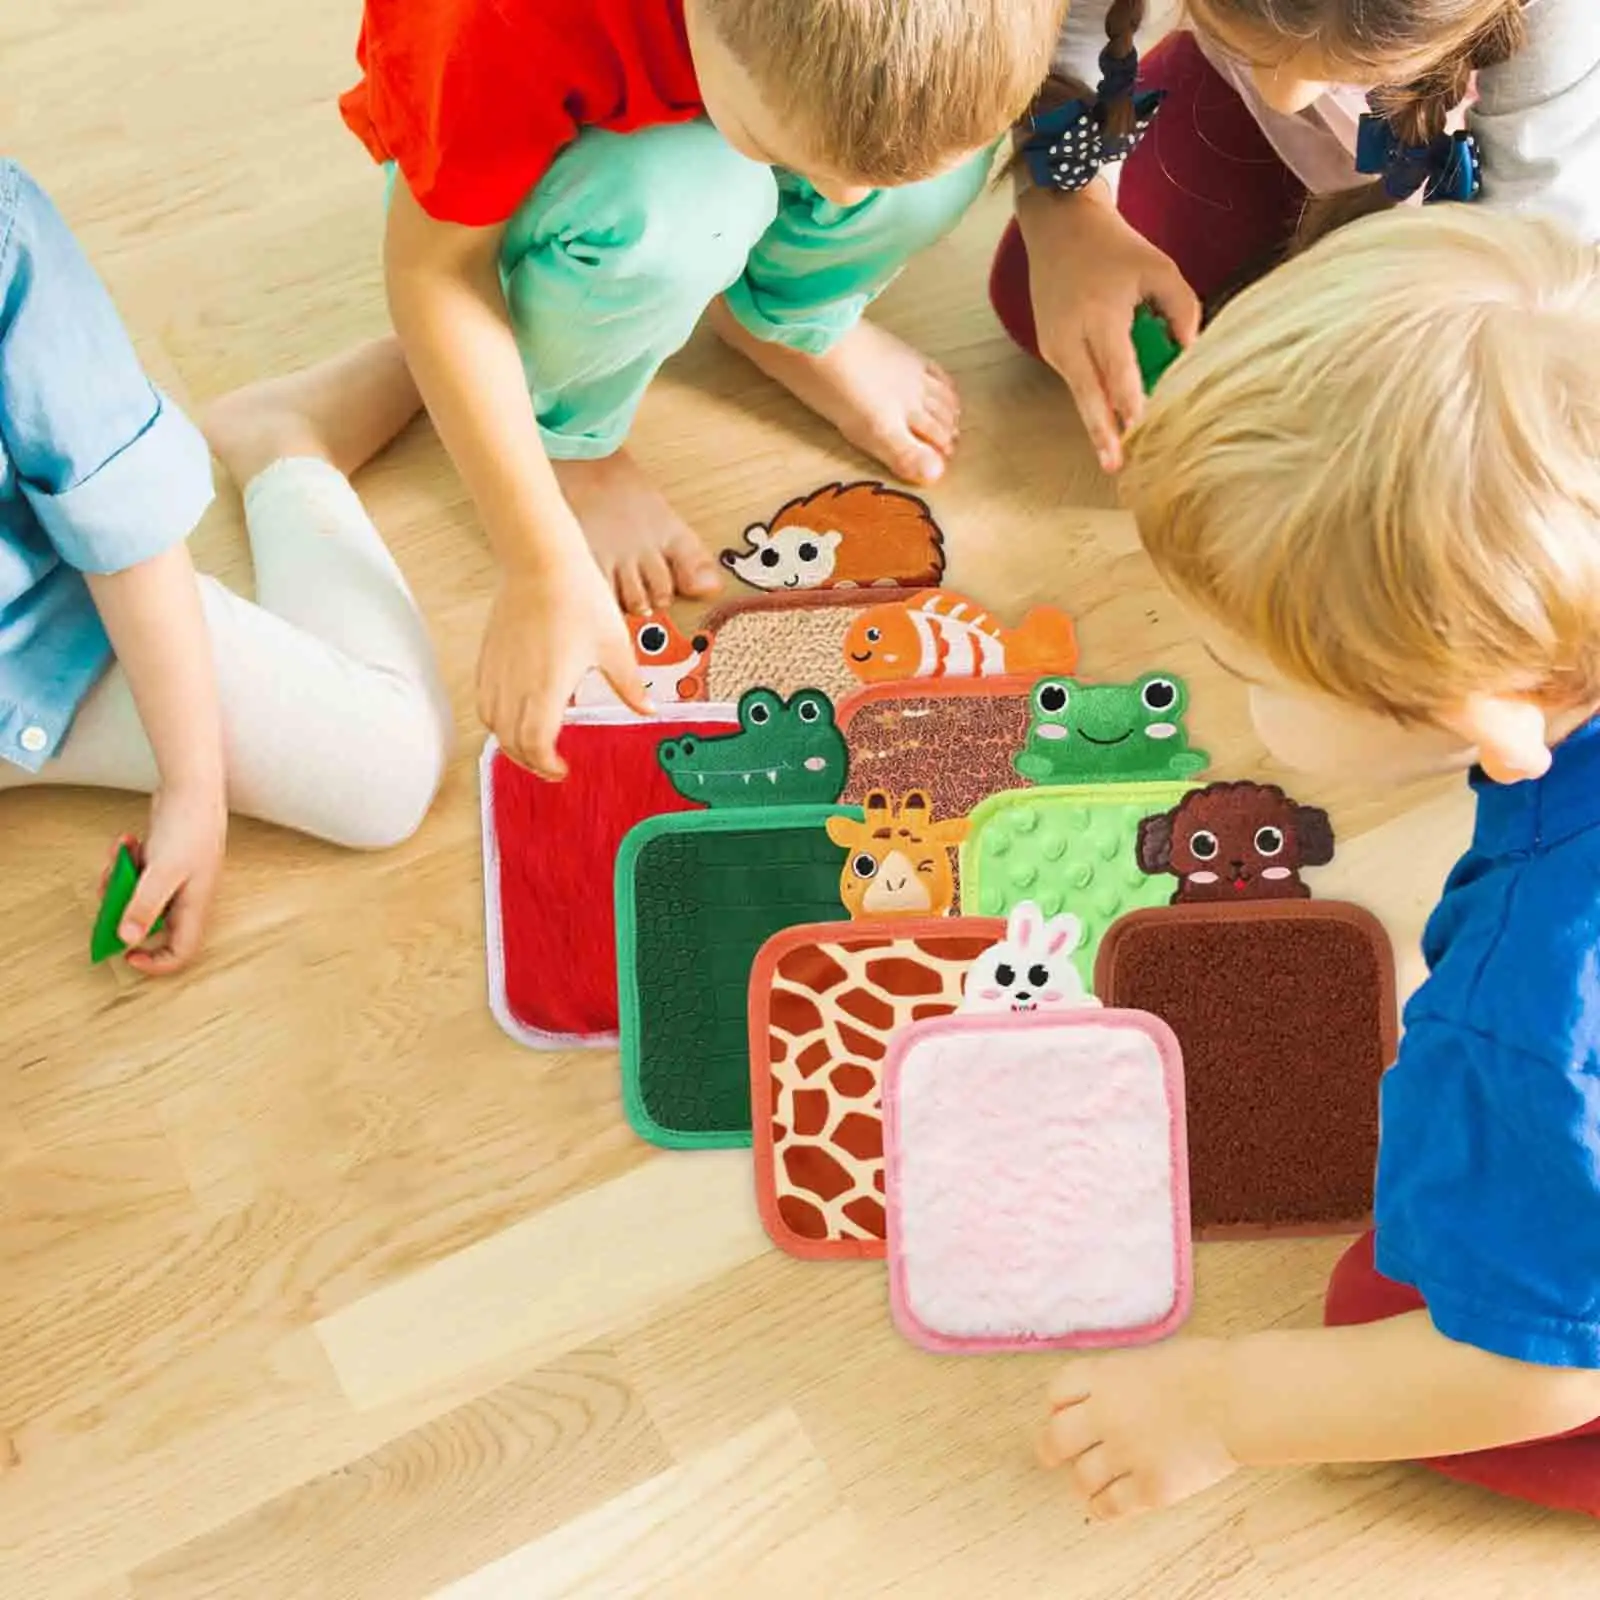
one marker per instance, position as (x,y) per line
(956,935)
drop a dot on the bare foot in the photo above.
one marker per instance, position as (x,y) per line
(882,395)
(344,410)
(644,547)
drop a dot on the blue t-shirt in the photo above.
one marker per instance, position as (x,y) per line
(1488,1197)
(97,471)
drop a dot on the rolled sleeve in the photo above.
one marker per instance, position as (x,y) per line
(113,471)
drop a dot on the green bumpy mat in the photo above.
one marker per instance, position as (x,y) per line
(1072,848)
(698,894)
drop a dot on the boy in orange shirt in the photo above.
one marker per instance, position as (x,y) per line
(582,179)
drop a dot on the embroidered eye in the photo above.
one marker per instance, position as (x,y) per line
(770,558)
(808,711)
(1051,699)
(1005,975)
(1269,841)
(1159,695)
(652,639)
(760,714)
(807,551)
(1203,845)
(1038,976)
(700,644)
(874,635)
(865,866)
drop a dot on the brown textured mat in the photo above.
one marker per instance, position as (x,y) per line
(1286,1015)
(788,642)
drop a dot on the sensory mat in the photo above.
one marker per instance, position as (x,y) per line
(1285,1010)
(697,895)
(549,850)
(843,536)
(825,1002)
(1072,848)
(938,634)
(1037,1181)
(786,642)
(955,738)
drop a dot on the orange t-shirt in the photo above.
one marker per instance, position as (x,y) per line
(473,99)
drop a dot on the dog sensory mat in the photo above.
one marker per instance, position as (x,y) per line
(1285,1010)
(1072,848)
(697,895)
(1037,1181)
(825,1002)
(789,641)
(549,851)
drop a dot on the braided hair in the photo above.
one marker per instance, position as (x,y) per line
(1369,34)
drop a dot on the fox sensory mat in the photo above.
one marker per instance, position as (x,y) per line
(824,1004)
(697,895)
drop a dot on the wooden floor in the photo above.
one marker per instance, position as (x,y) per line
(312,1283)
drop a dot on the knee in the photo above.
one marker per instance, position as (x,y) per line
(664,214)
(399,789)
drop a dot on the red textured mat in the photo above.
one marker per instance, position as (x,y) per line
(1285,1011)
(549,850)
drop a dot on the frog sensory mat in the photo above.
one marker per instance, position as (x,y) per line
(1037,1179)
(1286,1013)
(698,894)
(825,1003)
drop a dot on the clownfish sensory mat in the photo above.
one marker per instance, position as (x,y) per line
(825,1003)
(843,536)
(548,856)
(937,634)
(1037,1182)
(698,894)
(1285,1011)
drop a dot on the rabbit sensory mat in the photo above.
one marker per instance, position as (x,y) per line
(789,641)
(1070,848)
(548,855)
(1037,1181)
(824,1003)
(844,536)
(1286,1014)
(698,893)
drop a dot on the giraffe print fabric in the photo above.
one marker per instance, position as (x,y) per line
(825,1003)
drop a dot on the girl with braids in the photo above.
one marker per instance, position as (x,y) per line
(1277,120)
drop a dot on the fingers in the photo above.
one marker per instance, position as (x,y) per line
(537,731)
(1179,304)
(632,594)
(1118,364)
(157,885)
(124,841)
(1075,363)
(179,939)
(622,673)
(1119,1498)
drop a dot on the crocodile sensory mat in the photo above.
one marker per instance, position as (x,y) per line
(1072,848)
(1285,1011)
(698,893)
(788,642)
(824,1004)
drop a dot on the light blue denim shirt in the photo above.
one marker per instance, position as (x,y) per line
(98,471)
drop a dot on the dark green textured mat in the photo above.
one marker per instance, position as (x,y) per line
(698,894)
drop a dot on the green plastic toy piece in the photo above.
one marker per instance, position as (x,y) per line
(1109,732)
(105,941)
(785,753)
(1070,849)
(1154,345)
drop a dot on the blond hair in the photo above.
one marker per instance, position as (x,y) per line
(1380,467)
(892,90)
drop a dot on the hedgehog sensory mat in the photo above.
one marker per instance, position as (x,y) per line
(959,937)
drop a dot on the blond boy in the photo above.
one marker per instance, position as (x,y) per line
(581,179)
(1376,484)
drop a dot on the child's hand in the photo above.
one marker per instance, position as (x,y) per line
(1141,1429)
(544,633)
(1089,272)
(180,862)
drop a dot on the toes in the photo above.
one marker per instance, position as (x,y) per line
(938,430)
(693,572)
(910,458)
(631,589)
(656,576)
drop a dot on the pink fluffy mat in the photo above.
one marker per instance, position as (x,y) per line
(1038,1189)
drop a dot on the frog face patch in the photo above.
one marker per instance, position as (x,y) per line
(1109,732)
(786,752)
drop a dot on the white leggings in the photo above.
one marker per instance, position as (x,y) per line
(334,719)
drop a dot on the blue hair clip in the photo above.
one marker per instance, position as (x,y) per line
(1068,144)
(1448,167)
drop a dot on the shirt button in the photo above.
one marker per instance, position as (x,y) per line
(33,740)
